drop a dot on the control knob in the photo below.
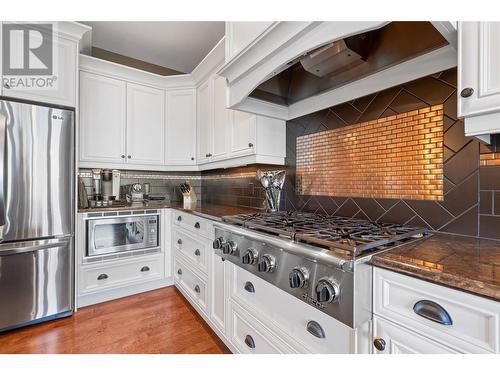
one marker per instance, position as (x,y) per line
(327,290)
(219,243)
(229,248)
(298,277)
(267,263)
(250,256)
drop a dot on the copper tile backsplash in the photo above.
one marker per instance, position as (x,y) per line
(396,157)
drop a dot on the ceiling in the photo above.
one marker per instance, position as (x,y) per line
(175,45)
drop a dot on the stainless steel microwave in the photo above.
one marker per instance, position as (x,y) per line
(119,234)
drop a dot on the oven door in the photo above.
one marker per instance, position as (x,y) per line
(106,236)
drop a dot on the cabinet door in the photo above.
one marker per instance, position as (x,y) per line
(398,340)
(205,120)
(220,136)
(478,67)
(102,119)
(217,292)
(63,91)
(145,125)
(243,132)
(180,141)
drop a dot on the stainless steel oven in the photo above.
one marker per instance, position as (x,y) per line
(118,234)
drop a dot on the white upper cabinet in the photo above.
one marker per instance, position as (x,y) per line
(221,120)
(64,75)
(181,127)
(102,119)
(242,131)
(205,123)
(145,125)
(479,76)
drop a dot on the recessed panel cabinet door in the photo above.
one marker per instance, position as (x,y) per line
(145,129)
(220,136)
(102,119)
(478,68)
(205,121)
(243,133)
(390,338)
(181,127)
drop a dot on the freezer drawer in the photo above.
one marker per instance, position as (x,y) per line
(36,281)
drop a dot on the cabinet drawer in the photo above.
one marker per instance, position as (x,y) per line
(120,273)
(248,335)
(398,340)
(194,249)
(194,287)
(311,330)
(474,320)
(194,224)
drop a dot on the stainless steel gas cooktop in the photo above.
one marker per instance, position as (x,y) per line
(313,257)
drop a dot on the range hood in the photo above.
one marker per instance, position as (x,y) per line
(327,63)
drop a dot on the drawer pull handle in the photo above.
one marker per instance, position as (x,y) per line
(102,276)
(179,218)
(315,329)
(197,252)
(433,311)
(179,272)
(249,287)
(197,289)
(179,241)
(250,341)
(379,344)
(197,225)
(468,91)
(145,269)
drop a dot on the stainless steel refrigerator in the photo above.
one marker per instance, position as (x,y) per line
(36,213)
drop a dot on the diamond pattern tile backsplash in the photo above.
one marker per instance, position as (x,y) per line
(471,186)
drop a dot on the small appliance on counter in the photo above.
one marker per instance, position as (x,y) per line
(134,193)
(189,196)
(102,190)
(272,181)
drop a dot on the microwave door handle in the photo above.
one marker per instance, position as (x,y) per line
(3,138)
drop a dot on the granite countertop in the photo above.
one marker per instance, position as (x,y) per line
(459,262)
(209,211)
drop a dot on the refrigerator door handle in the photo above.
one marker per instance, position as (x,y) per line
(3,131)
(32,246)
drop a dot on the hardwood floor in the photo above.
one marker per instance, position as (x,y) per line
(160,321)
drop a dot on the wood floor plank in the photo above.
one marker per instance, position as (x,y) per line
(160,321)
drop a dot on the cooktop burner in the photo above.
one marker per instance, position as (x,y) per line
(332,232)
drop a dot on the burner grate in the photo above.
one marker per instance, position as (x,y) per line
(332,232)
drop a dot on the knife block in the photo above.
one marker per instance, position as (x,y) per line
(189,199)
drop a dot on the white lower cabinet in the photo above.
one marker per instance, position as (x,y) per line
(100,279)
(120,273)
(394,339)
(249,335)
(218,292)
(432,313)
(194,286)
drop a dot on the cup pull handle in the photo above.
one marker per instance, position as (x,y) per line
(102,276)
(433,311)
(145,269)
(315,329)
(249,341)
(249,287)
